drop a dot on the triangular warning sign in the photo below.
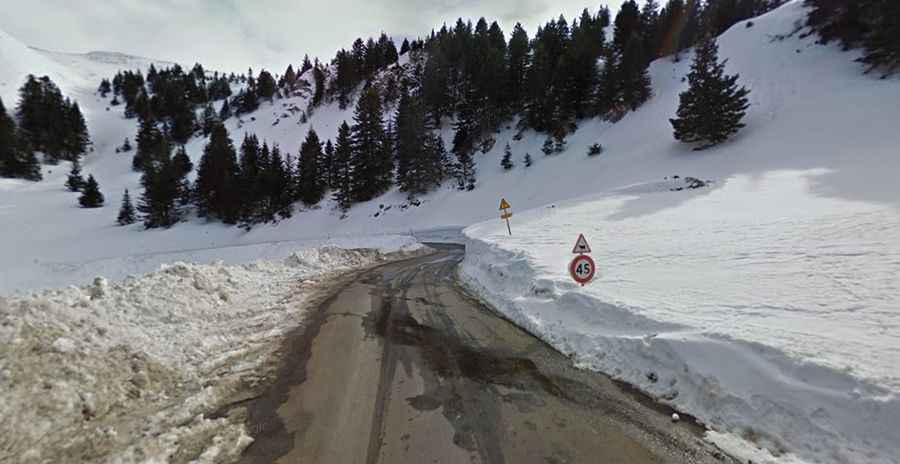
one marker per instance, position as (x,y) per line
(504,204)
(581,246)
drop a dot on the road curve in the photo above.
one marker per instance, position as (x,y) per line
(401,366)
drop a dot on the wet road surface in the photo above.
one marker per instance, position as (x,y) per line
(399,365)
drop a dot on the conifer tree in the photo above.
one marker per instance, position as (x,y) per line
(16,156)
(279,189)
(152,145)
(528,161)
(547,148)
(250,180)
(74,181)
(105,88)
(882,43)
(163,184)
(328,165)
(181,167)
(372,166)
(712,108)
(90,195)
(8,142)
(265,85)
(517,59)
(225,113)
(507,162)
(409,122)
(209,119)
(217,178)
(126,211)
(343,168)
(311,190)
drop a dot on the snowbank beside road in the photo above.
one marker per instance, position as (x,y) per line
(764,309)
(29,273)
(126,372)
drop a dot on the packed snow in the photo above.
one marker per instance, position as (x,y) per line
(775,285)
(775,320)
(131,371)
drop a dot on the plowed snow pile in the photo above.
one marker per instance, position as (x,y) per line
(124,372)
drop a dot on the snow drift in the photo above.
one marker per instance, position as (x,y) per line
(129,371)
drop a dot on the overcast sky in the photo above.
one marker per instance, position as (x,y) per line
(233,34)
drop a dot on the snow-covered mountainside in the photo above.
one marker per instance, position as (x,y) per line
(765,302)
(775,286)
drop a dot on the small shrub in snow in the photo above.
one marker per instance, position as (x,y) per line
(595,149)
(506,162)
(528,160)
(548,148)
(487,145)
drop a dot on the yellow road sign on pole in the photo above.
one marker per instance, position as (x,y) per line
(504,206)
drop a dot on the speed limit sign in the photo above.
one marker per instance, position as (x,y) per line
(582,269)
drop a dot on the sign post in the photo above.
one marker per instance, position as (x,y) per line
(504,206)
(582,268)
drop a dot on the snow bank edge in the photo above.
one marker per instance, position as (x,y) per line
(760,396)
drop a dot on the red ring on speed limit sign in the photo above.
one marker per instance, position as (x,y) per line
(582,269)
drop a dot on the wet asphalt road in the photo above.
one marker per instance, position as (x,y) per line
(399,365)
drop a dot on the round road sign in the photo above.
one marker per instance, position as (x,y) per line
(582,269)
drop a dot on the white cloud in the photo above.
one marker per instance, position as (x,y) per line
(235,34)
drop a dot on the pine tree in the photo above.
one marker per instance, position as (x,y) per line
(372,166)
(126,146)
(547,148)
(250,181)
(712,108)
(311,190)
(16,156)
(517,59)
(105,88)
(225,113)
(74,181)
(209,119)
(409,122)
(91,196)
(329,166)
(265,85)
(634,79)
(126,211)
(882,43)
(343,168)
(279,189)
(152,145)
(181,167)
(163,185)
(8,143)
(217,179)
(528,162)
(506,162)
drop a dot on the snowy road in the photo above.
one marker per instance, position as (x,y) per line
(400,365)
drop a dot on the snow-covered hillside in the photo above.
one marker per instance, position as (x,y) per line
(786,264)
(766,302)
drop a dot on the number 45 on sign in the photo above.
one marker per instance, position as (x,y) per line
(582,268)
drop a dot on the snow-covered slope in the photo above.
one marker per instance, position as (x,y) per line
(766,302)
(800,215)
(17,60)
